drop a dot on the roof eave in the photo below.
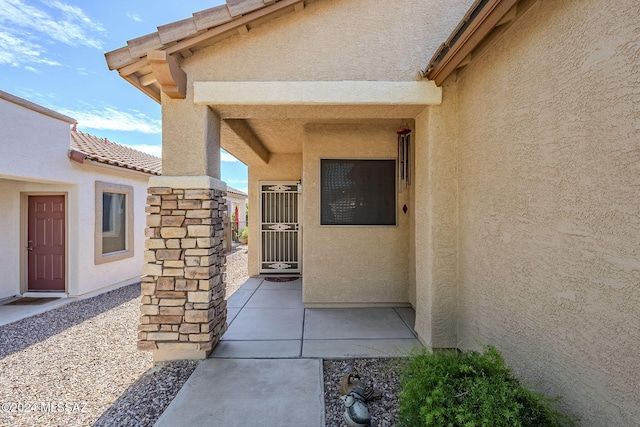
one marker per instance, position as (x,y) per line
(178,38)
(473,29)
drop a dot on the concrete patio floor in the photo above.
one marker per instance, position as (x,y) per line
(267,369)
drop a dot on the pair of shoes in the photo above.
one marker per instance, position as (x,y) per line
(356,413)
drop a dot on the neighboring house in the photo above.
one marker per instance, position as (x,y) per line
(72,205)
(237,208)
(516,224)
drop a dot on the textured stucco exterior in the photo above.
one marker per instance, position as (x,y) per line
(35,162)
(355,40)
(522,228)
(190,139)
(434,276)
(330,40)
(549,185)
(352,265)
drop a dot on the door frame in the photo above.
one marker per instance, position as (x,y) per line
(300,237)
(24,233)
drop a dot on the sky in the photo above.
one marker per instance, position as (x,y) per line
(52,53)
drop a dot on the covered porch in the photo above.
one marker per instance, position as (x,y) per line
(268,320)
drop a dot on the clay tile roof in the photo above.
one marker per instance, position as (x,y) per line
(181,38)
(104,151)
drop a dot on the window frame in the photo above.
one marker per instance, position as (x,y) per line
(107,187)
(395,192)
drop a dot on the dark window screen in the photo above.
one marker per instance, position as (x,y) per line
(358,192)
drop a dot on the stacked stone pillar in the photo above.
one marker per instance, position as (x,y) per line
(183,285)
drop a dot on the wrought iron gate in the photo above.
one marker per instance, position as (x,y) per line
(279,227)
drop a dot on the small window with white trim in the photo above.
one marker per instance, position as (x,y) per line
(114,222)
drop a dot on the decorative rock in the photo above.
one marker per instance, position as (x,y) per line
(356,413)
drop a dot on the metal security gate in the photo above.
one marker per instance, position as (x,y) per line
(279,227)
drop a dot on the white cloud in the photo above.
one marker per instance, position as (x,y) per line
(112,119)
(134,16)
(226,157)
(25,28)
(154,150)
(16,51)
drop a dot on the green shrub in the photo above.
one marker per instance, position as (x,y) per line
(469,389)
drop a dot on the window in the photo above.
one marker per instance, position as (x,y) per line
(357,192)
(114,222)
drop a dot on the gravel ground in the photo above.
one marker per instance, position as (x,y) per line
(237,272)
(78,365)
(381,374)
(67,366)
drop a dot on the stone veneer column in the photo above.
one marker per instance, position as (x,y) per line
(183,308)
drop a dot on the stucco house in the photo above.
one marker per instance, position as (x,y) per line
(237,208)
(72,205)
(478,161)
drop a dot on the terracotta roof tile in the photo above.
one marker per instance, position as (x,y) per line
(104,151)
(213,17)
(241,7)
(184,29)
(177,30)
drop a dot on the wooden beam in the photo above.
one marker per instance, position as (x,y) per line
(171,78)
(151,90)
(147,79)
(298,7)
(242,30)
(245,133)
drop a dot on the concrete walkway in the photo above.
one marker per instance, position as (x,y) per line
(267,370)
(12,313)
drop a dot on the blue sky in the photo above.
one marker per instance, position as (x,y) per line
(52,53)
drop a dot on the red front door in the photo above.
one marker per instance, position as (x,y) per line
(46,243)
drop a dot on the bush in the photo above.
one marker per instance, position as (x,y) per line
(245,234)
(470,389)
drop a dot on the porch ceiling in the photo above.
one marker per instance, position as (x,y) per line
(281,130)
(264,118)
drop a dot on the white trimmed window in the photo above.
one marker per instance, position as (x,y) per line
(114,222)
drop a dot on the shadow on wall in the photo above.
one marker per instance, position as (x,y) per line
(19,335)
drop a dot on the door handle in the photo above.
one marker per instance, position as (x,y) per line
(29,243)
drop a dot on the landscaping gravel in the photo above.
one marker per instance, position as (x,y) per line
(237,272)
(381,374)
(69,365)
(78,365)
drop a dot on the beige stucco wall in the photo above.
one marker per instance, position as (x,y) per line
(339,40)
(281,167)
(334,40)
(435,233)
(549,181)
(190,138)
(351,265)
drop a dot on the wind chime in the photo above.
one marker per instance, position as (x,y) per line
(404,156)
